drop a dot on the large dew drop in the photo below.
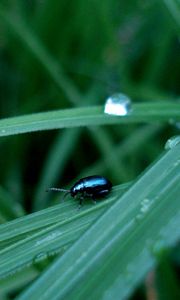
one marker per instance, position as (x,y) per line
(118,105)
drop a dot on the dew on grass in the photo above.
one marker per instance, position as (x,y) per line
(144,208)
(40,257)
(50,237)
(118,105)
(41,260)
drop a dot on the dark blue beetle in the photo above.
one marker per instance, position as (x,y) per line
(93,187)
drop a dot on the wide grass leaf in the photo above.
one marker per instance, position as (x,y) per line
(49,231)
(87,116)
(116,252)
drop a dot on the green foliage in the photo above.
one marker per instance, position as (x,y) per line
(59,61)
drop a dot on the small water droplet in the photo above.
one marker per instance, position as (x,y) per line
(3,130)
(118,104)
(172,142)
(145,204)
(176,163)
(40,260)
(40,256)
(144,207)
(50,237)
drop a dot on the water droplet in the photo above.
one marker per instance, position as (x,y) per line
(144,207)
(3,131)
(40,256)
(172,142)
(145,204)
(40,260)
(176,163)
(50,237)
(118,104)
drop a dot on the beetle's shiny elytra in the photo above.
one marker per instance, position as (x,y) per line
(93,187)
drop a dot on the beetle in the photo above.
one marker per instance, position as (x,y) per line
(92,187)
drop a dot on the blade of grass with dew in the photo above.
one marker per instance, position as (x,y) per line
(88,116)
(126,238)
(34,45)
(51,239)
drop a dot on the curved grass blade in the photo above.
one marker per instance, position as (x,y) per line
(31,223)
(126,238)
(88,116)
(49,240)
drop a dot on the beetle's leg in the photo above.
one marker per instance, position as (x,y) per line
(81,199)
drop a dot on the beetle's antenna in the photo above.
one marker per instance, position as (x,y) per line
(57,190)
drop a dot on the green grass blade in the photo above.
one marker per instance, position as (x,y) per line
(18,280)
(49,240)
(87,116)
(126,239)
(44,218)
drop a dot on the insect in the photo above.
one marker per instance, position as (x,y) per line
(92,187)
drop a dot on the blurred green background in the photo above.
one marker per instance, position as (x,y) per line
(57,54)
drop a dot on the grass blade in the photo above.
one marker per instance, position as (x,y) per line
(125,239)
(88,116)
(29,242)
